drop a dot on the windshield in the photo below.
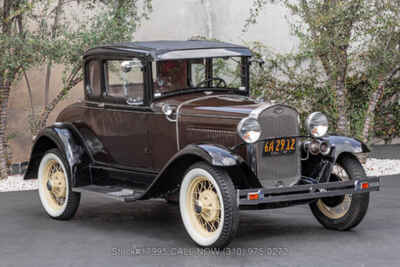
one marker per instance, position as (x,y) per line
(171,76)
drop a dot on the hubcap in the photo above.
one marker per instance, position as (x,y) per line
(336,207)
(204,206)
(209,203)
(54,183)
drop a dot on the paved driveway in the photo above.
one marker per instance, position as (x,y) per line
(104,232)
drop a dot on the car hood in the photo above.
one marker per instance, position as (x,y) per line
(219,105)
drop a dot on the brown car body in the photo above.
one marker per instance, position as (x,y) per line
(109,142)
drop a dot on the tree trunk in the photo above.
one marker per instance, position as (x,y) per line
(48,109)
(4,94)
(58,11)
(33,119)
(51,106)
(373,102)
(47,84)
(370,116)
(28,85)
(72,80)
(342,121)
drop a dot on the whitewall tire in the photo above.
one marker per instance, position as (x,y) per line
(55,191)
(208,206)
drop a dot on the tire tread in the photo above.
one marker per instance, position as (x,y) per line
(359,203)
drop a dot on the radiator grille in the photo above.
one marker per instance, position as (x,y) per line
(280,170)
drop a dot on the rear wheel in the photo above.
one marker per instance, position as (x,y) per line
(343,212)
(208,206)
(55,191)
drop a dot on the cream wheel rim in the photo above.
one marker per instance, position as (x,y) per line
(53,184)
(342,208)
(201,206)
(204,206)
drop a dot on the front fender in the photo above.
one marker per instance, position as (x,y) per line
(215,155)
(66,138)
(343,144)
(172,173)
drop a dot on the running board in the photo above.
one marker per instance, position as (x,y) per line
(114,192)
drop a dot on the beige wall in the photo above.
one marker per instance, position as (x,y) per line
(224,20)
(171,19)
(19,106)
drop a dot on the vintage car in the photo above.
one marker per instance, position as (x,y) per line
(165,119)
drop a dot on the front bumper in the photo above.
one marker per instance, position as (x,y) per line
(252,197)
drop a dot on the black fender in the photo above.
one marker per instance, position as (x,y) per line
(344,144)
(320,167)
(67,139)
(170,177)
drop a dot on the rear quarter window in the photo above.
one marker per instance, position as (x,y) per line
(93,82)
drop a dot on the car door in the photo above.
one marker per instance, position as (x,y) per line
(121,117)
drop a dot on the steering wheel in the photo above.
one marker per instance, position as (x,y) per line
(221,82)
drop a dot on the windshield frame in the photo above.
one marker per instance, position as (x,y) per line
(244,63)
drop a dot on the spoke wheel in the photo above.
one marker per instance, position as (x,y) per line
(336,207)
(208,206)
(55,192)
(205,206)
(54,181)
(347,211)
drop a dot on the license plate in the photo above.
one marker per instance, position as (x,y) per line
(279,146)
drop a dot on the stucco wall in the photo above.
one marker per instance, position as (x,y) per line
(171,19)
(223,20)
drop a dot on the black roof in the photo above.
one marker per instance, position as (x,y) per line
(165,50)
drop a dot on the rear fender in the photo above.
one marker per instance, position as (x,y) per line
(66,138)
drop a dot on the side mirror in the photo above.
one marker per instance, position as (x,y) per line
(127,65)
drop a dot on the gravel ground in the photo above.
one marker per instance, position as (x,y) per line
(382,167)
(373,167)
(16,183)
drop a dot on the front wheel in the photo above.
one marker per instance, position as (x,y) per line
(343,212)
(208,206)
(55,190)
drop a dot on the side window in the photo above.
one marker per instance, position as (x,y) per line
(93,83)
(124,81)
(198,71)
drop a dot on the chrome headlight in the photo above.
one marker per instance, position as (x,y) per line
(249,130)
(317,124)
